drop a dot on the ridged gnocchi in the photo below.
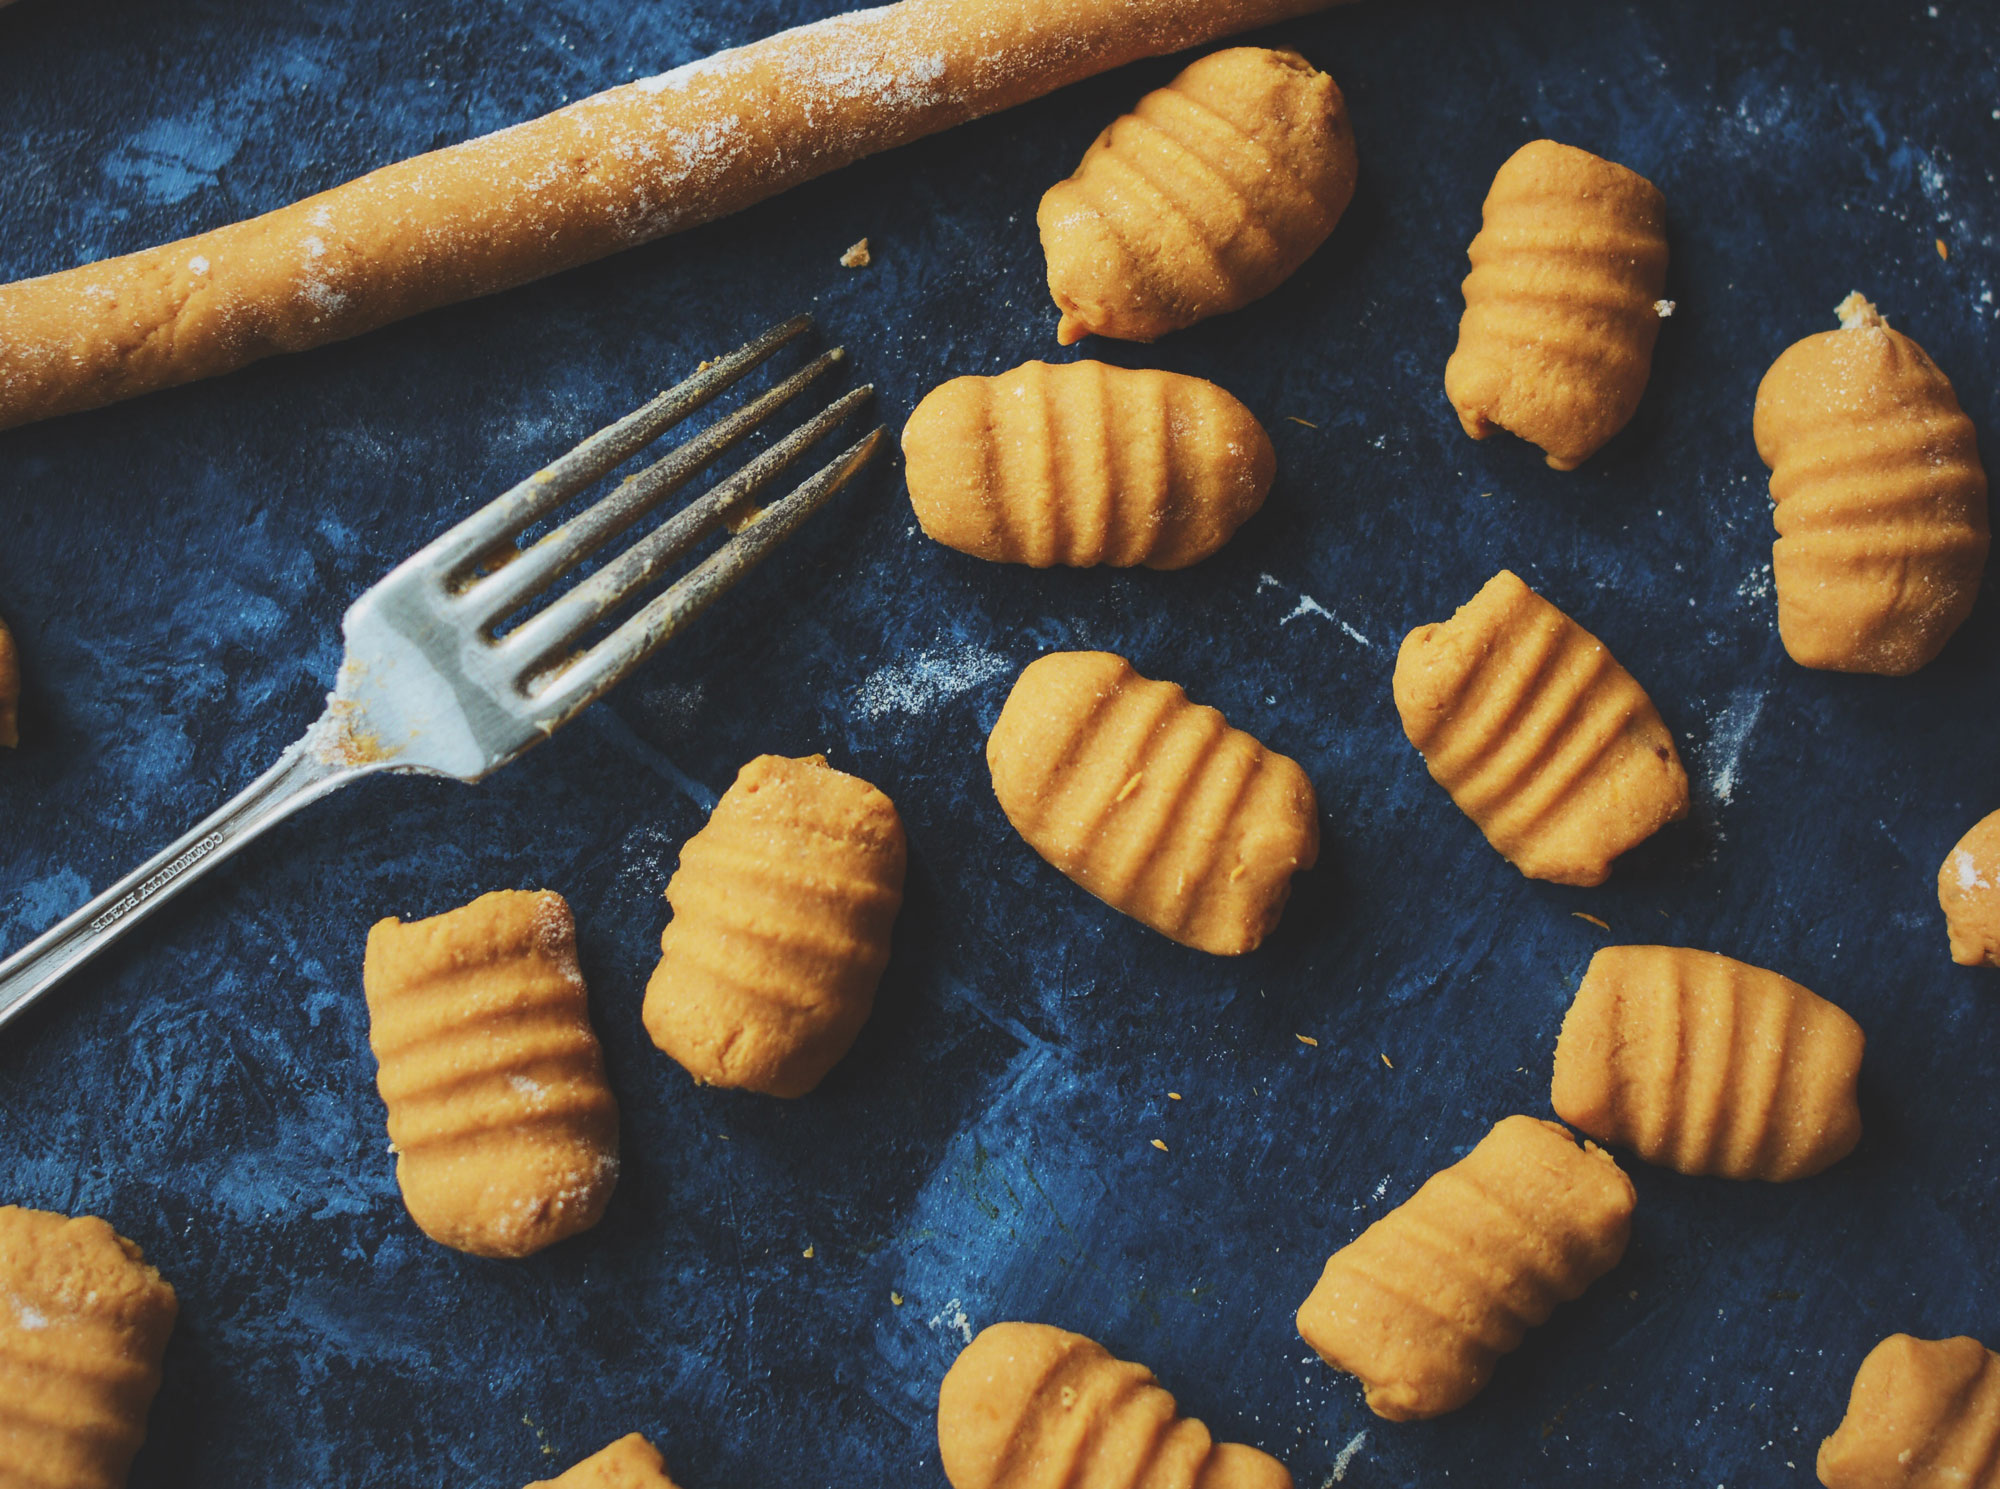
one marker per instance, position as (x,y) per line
(1563,303)
(1208,195)
(1541,738)
(505,1130)
(1924,1414)
(1969,894)
(1152,802)
(629,1463)
(1084,464)
(1423,1304)
(1029,1406)
(1880,499)
(782,908)
(1708,1065)
(10,689)
(83,1327)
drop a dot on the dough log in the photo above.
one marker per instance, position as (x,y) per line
(620,168)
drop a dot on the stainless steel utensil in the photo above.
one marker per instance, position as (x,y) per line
(445,674)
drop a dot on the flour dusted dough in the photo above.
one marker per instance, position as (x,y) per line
(1969,894)
(624,166)
(83,1326)
(505,1130)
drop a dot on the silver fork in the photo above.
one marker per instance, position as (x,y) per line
(431,684)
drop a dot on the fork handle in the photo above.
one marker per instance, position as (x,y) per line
(303,774)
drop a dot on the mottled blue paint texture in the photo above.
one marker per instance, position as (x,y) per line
(175,569)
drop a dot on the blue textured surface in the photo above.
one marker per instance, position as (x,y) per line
(175,569)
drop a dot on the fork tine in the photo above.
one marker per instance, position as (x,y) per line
(505,516)
(535,638)
(552,556)
(607,663)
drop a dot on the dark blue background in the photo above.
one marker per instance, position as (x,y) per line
(175,569)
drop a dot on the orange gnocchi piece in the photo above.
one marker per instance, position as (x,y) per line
(1969,895)
(1924,1414)
(782,906)
(1152,802)
(1562,306)
(83,1327)
(1880,498)
(629,1463)
(505,1130)
(1084,464)
(1541,738)
(1423,1304)
(1208,195)
(1029,1406)
(1708,1065)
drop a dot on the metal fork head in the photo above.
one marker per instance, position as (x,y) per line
(429,683)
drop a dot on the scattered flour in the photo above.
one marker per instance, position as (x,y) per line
(1968,873)
(1345,1456)
(1726,739)
(934,677)
(31,1318)
(952,1317)
(1307,605)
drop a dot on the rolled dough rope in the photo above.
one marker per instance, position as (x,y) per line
(619,168)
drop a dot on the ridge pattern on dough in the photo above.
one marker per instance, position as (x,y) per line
(1880,499)
(1568,267)
(1423,1303)
(1541,738)
(1208,195)
(782,910)
(1082,464)
(1152,802)
(1030,1406)
(505,1130)
(1708,1065)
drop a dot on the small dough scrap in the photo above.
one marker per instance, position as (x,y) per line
(1152,802)
(629,1463)
(1030,1406)
(1969,893)
(505,1130)
(1423,1304)
(1084,464)
(1880,498)
(1541,738)
(1208,195)
(83,1327)
(1925,1414)
(1708,1065)
(10,689)
(1569,269)
(783,905)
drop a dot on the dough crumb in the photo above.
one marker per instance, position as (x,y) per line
(1306,1039)
(1160,1145)
(1663,308)
(1943,252)
(857,257)
(1856,311)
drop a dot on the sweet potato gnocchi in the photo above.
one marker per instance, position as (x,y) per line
(505,1130)
(1029,1406)
(1708,1065)
(1880,498)
(1425,1301)
(629,1463)
(1152,802)
(1541,738)
(1084,464)
(1969,894)
(782,906)
(1924,1414)
(1563,303)
(1208,195)
(83,1326)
